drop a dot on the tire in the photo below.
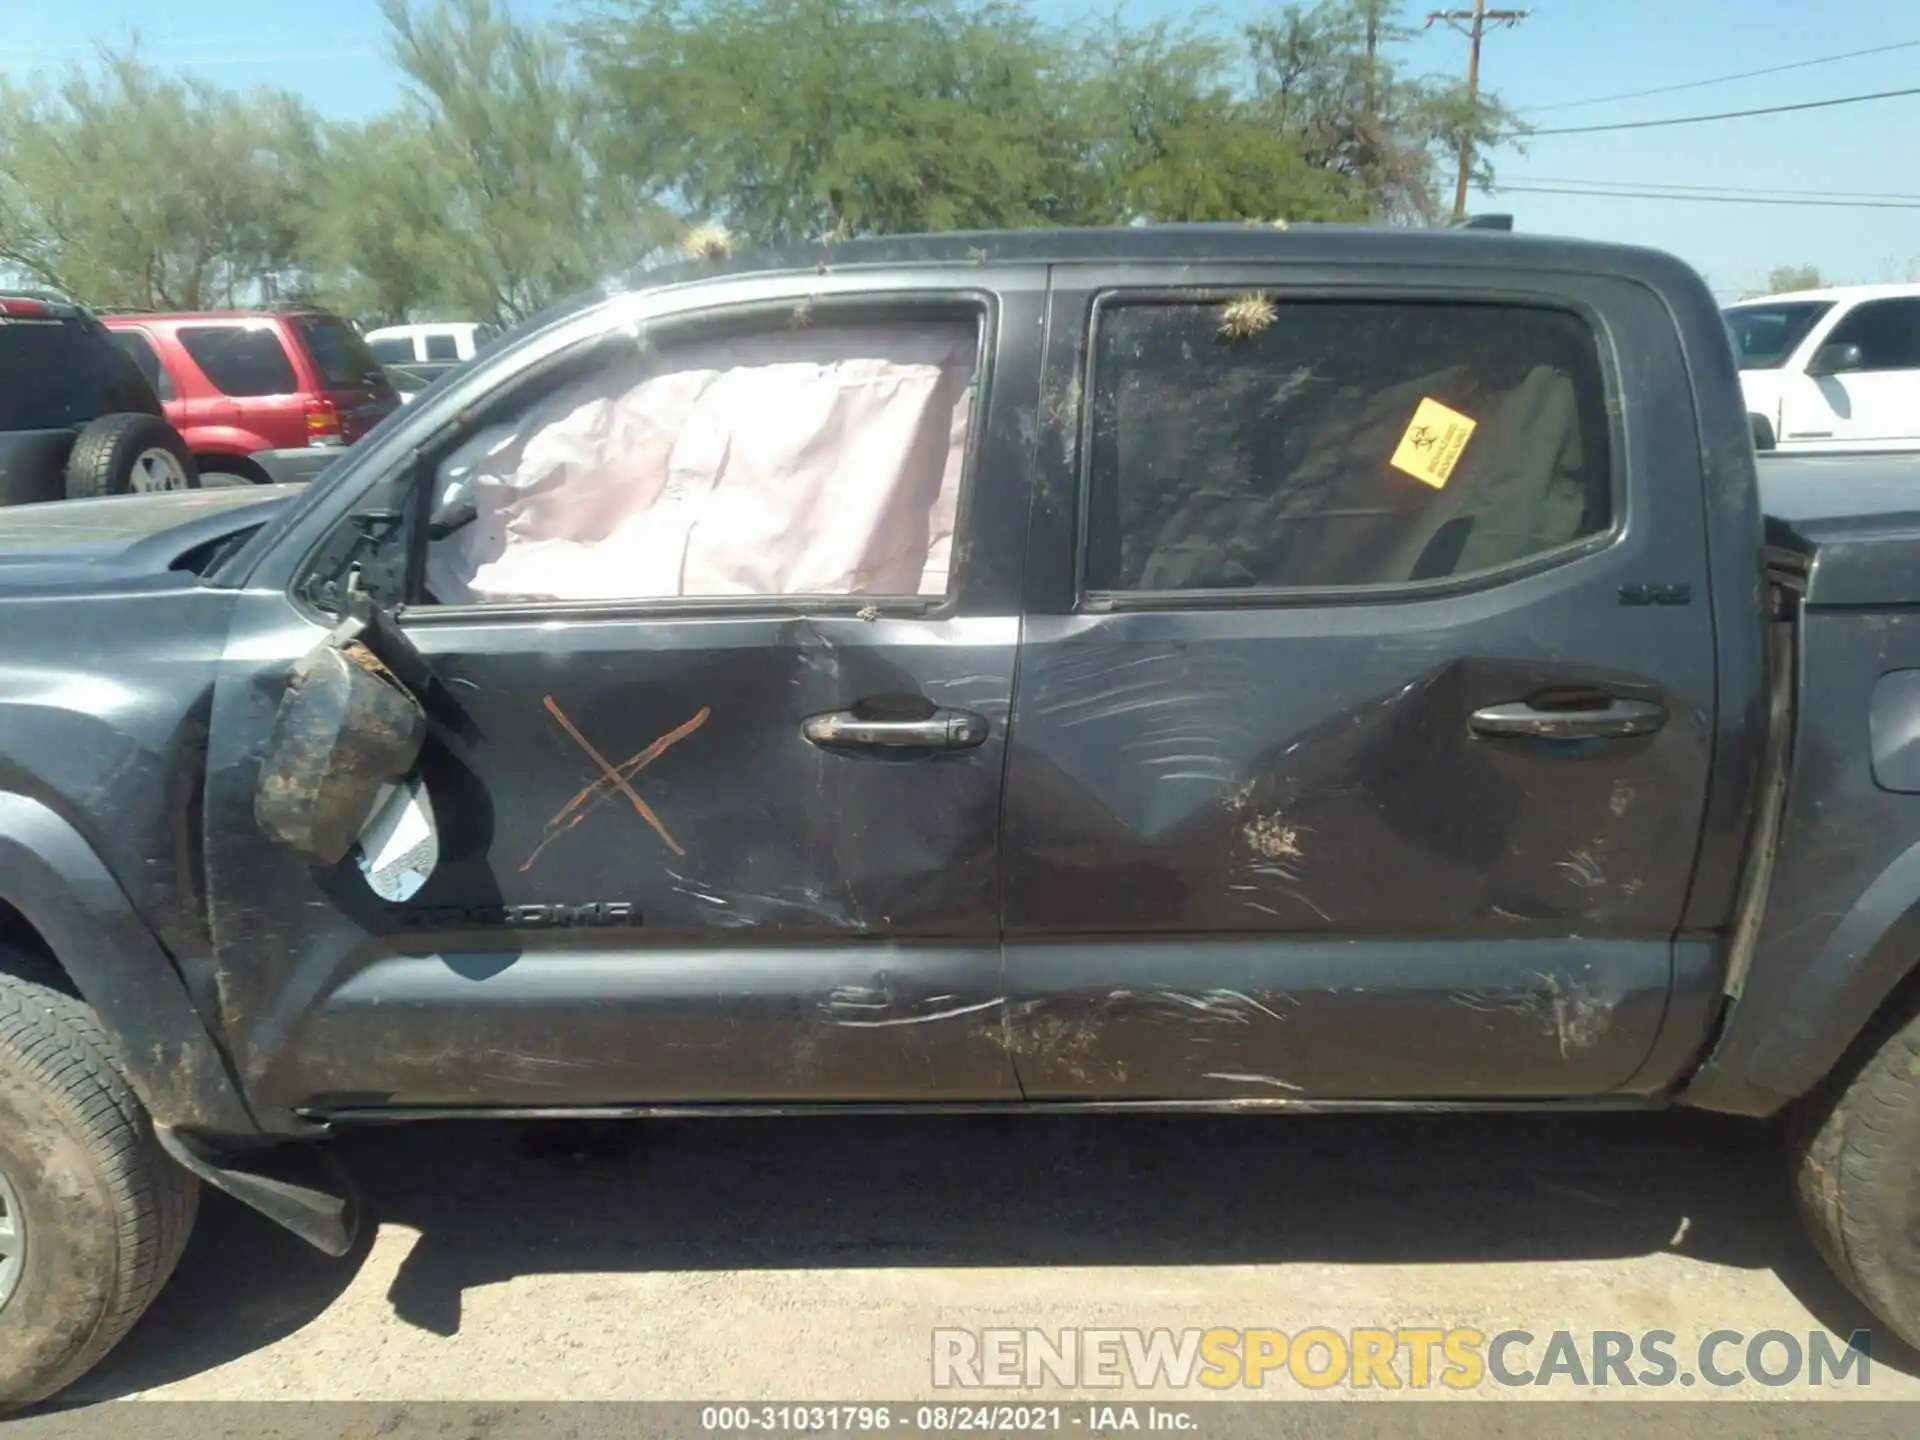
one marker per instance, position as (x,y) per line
(102,1212)
(1762,432)
(1858,1179)
(110,454)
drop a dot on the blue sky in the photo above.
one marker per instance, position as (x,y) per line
(1568,50)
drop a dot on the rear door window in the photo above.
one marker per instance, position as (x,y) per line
(393,350)
(1264,444)
(61,372)
(442,347)
(339,354)
(241,360)
(140,350)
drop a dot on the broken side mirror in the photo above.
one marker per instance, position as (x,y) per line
(338,770)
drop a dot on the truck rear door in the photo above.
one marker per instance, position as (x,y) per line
(1366,693)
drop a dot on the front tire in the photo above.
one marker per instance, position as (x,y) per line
(97,1214)
(129,454)
(1858,1176)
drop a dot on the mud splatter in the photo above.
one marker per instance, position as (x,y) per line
(1268,835)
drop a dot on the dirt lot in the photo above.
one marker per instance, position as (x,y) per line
(811,1259)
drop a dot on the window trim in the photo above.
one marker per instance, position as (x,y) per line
(557,369)
(1088,601)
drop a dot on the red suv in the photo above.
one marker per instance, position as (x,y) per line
(239,381)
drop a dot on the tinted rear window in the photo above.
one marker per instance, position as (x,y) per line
(340,355)
(1267,444)
(241,359)
(59,373)
(393,350)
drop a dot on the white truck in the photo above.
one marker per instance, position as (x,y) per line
(1833,369)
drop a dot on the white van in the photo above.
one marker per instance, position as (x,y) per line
(1835,369)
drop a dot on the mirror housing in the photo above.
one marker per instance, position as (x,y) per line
(1835,360)
(347,732)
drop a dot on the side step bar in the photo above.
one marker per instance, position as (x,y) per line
(302,1187)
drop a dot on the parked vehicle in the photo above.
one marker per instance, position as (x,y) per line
(237,382)
(417,355)
(1833,369)
(1414,710)
(76,419)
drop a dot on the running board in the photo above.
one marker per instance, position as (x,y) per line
(1253,1104)
(302,1187)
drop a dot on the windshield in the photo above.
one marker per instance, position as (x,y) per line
(1765,335)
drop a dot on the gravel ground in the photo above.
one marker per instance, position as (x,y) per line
(811,1259)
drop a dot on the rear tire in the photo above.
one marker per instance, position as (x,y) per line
(122,454)
(98,1214)
(1858,1176)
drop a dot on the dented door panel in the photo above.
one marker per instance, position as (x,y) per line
(652,884)
(1258,851)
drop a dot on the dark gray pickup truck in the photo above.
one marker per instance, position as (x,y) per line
(1197,668)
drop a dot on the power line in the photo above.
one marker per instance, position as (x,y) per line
(1726,114)
(1717,189)
(1787,200)
(1724,79)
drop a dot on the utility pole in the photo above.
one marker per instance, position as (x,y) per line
(1477,18)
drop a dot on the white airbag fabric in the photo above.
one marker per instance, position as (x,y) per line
(819,461)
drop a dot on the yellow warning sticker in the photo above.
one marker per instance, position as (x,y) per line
(1433,442)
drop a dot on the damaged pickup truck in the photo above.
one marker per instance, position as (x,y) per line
(1206,668)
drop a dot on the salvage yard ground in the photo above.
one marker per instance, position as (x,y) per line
(812,1259)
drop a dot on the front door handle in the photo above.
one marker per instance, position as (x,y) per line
(942,730)
(1616,720)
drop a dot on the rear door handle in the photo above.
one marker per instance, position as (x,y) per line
(942,730)
(1616,720)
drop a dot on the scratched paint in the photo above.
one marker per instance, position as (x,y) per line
(614,779)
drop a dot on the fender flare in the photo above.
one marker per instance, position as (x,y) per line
(1794,1022)
(51,875)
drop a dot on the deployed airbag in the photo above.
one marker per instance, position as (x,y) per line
(817,461)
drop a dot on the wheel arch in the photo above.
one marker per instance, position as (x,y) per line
(64,909)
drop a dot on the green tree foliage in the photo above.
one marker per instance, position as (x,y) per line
(131,187)
(1783,278)
(794,120)
(485,195)
(1325,76)
(1169,137)
(525,162)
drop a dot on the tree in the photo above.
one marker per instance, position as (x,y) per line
(794,120)
(124,186)
(1783,278)
(1325,77)
(487,194)
(1169,138)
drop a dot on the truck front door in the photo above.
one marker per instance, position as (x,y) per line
(717,748)
(1870,395)
(1366,698)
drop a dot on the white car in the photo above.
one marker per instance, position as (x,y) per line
(429,344)
(1835,369)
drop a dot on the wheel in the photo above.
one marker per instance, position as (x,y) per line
(129,454)
(1762,432)
(95,1213)
(1858,1174)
